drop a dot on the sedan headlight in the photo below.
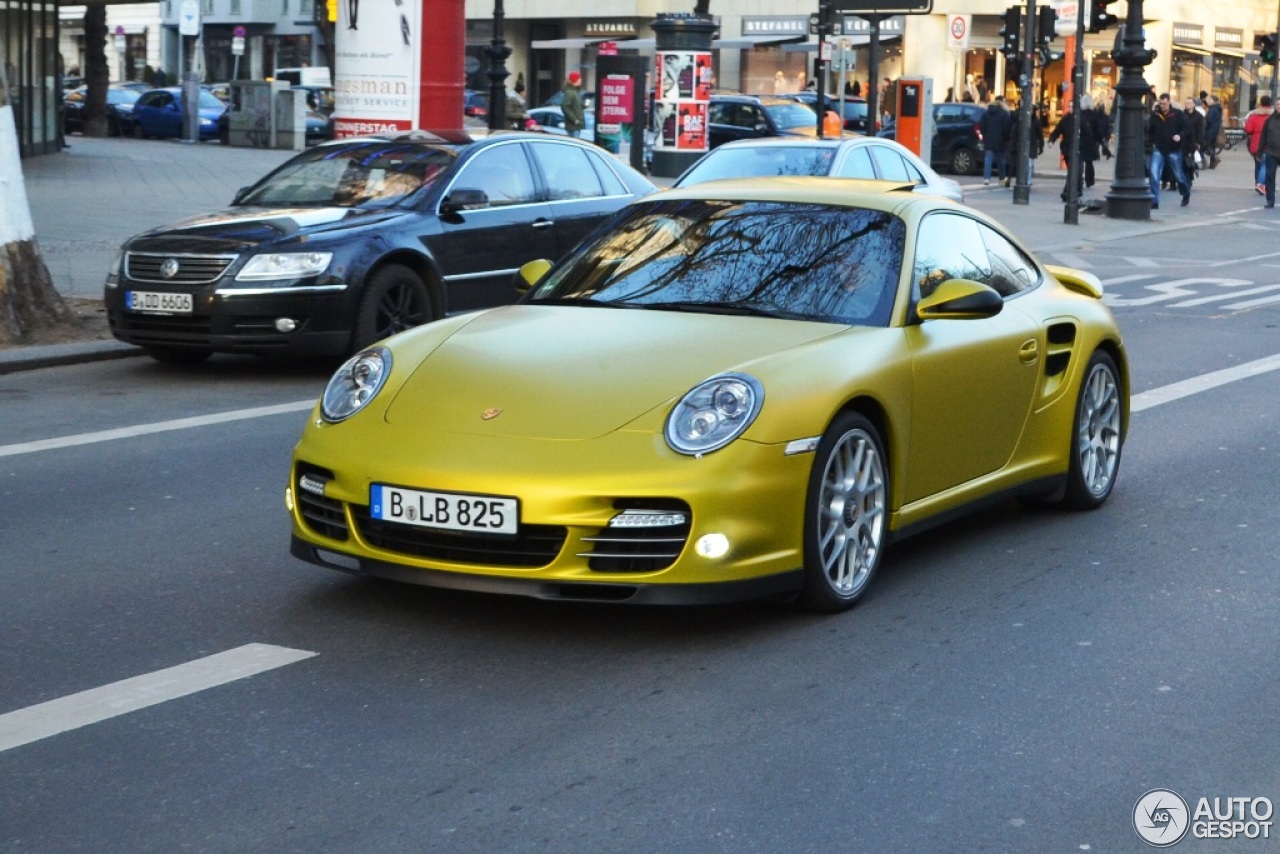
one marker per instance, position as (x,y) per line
(356,383)
(714,413)
(284,265)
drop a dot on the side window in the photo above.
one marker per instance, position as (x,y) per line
(502,172)
(913,173)
(857,164)
(609,179)
(889,163)
(752,117)
(948,246)
(1011,271)
(721,114)
(567,170)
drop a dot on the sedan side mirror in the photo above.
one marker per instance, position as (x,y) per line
(240,194)
(960,299)
(460,199)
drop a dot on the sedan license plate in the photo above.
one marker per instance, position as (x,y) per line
(477,514)
(151,302)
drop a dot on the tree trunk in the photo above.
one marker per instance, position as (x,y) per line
(97,75)
(29,302)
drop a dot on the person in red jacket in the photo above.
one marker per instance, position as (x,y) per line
(1253,131)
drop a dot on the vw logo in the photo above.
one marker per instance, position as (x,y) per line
(169,268)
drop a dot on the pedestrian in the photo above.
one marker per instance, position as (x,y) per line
(1193,142)
(517,116)
(1062,135)
(1253,131)
(1213,129)
(996,127)
(1095,134)
(1166,128)
(571,104)
(1270,146)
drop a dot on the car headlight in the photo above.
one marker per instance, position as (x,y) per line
(714,413)
(113,272)
(284,265)
(356,383)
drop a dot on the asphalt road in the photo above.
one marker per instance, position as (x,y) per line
(1015,681)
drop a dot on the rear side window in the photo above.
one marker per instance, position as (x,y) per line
(889,163)
(568,173)
(857,164)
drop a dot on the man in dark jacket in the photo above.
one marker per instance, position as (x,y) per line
(571,104)
(995,127)
(1193,141)
(1269,145)
(1212,127)
(1166,128)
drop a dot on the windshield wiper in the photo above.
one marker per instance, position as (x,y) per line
(580,301)
(711,307)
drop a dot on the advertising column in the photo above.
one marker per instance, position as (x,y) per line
(620,94)
(378,67)
(682,90)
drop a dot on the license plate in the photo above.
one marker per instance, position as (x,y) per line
(477,514)
(151,302)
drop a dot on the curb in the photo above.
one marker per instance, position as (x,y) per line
(31,357)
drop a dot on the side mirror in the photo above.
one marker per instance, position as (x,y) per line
(960,299)
(762,129)
(240,194)
(461,199)
(530,274)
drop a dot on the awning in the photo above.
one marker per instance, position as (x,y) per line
(749,42)
(570,44)
(854,41)
(1192,49)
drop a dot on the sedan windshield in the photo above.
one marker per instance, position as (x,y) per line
(789,260)
(366,175)
(760,161)
(791,114)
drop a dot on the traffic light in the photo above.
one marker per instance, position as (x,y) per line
(826,17)
(1266,44)
(1011,33)
(1046,26)
(1099,18)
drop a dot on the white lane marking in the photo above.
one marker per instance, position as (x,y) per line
(1132,277)
(156,427)
(99,704)
(1147,262)
(1174,290)
(1204,382)
(1253,303)
(1075,261)
(1263,289)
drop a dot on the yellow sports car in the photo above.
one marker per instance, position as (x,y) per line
(740,389)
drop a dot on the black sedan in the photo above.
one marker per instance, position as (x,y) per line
(120,101)
(352,241)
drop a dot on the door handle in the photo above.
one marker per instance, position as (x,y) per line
(542,223)
(1029,351)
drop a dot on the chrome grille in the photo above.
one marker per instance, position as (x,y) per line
(639,549)
(192,269)
(533,545)
(322,514)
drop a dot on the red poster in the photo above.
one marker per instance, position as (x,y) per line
(693,127)
(616,105)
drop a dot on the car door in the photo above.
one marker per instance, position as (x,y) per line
(167,117)
(973,380)
(482,247)
(580,188)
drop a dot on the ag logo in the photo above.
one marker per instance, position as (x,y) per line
(1161,818)
(169,268)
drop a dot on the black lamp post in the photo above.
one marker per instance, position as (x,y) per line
(1130,196)
(497,51)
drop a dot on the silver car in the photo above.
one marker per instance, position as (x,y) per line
(857,157)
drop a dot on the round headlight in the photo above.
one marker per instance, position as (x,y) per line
(714,413)
(355,384)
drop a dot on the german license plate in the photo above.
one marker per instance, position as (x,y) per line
(454,511)
(151,302)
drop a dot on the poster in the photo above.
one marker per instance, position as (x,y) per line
(615,115)
(681,94)
(377,46)
(693,127)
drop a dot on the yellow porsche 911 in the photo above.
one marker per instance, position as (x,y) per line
(741,389)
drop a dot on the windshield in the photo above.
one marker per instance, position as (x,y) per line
(208,100)
(122,96)
(791,114)
(366,175)
(760,161)
(788,260)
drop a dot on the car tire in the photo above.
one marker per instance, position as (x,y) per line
(178,355)
(394,299)
(964,161)
(1095,436)
(846,514)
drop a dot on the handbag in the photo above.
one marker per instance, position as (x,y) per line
(1199,161)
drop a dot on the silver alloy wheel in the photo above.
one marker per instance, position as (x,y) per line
(1098,426)
(851,510)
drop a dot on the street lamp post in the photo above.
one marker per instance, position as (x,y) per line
(1130,196)
(497,51)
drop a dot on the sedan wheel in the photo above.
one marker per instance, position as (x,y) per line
(1095,452)
(964,162)
(845,515)
(395,299)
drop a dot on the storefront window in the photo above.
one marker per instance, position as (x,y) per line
(1190,74)
(772,71)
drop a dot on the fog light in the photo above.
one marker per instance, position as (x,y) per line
(712,545)
(286,324)
(288,498)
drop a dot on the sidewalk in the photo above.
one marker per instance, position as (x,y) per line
(87,200)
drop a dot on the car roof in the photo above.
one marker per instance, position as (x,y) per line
(844,192)
(752,99)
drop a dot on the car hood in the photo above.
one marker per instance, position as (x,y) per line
(570,373)
(243,227)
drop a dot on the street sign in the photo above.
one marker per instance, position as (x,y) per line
(1068,13)
(237,46)
(189,18)
(958,31)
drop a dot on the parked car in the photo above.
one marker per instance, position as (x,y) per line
(475,104)
(120,101)
(319,98)
(859,157)
(351,241)
(855,109)
(731,117)
(160,112)
(551,120)
(737,390)
(957,145)
(557,98)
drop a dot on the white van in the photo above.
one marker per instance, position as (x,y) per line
(305,76)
